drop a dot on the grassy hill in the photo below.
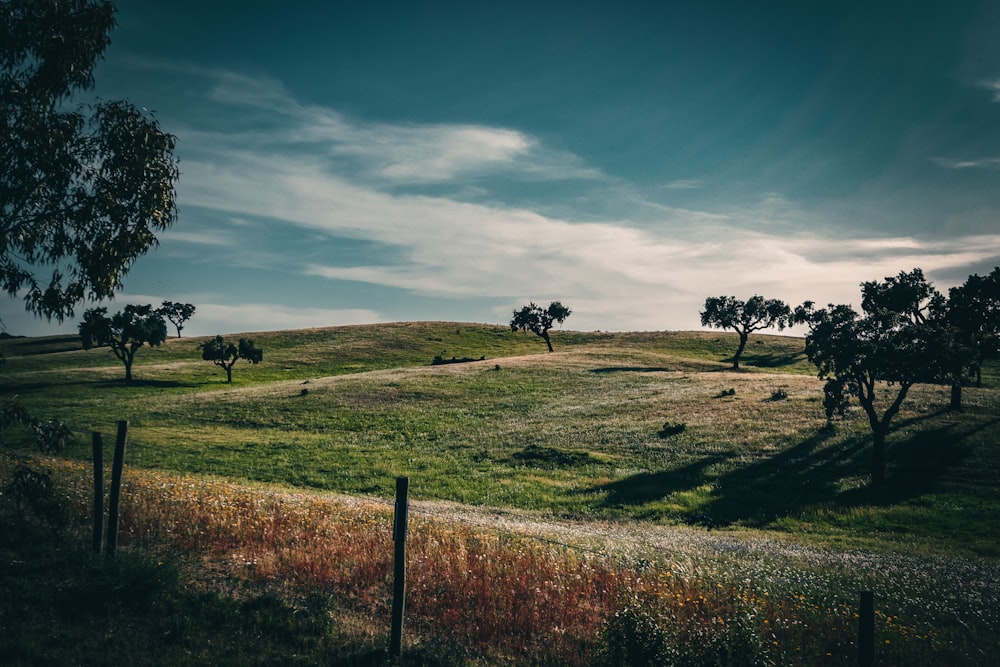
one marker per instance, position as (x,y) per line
(645,426)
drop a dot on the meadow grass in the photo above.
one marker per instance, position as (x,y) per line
(638,428)
(580,432)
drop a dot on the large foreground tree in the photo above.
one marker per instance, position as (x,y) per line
(83,188)
(539,320)
(124,332)
(877,355)
(744,317)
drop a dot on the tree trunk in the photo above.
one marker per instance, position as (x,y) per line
(878,457)
(229,374)
(956,398)
(739,351)
(128,371)
(548,342)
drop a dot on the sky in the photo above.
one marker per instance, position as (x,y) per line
(353,163)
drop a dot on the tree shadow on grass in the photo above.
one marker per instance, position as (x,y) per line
(770,360)
(140,384)
(801,476)
(804,476)
(917,464)
(650,486)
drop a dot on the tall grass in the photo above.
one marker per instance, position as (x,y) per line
(505,596)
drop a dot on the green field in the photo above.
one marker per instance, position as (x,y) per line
(685,509)
(643,426)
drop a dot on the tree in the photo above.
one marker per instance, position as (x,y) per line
(971,322)
(125,331)
(225,354)
(727,312)
(538,320)
(177,313)
(888,348)
(83,188)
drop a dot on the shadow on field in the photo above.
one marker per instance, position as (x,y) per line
(770,360)
(157,384)
(802,477)
(632,369)
(46,345)
(918,463)
(649,486)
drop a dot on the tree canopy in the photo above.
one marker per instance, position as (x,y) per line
(539,320)
(744,317)
(84,188)
(225,354)
(882,351)
(125,332)
(971,316)
(176,313)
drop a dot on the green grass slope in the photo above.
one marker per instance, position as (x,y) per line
(643,426)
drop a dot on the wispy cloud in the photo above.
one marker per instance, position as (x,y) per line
(981,163)
(200,237)
(684,184)
(992,85)
(406,153)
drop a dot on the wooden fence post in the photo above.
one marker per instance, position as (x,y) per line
(98,445)
(866,630)
(399,566)
(116,488)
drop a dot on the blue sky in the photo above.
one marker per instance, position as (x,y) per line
(350,163)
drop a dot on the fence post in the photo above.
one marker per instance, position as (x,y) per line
(98,445)
(399,566)
(116,488)
(866,630)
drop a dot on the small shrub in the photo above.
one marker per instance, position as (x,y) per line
(779,394)
(634,637)
(670,429)
(440,360)
(726,392)
(34,497)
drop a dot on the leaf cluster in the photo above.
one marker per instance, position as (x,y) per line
(744,317)
(83,189)
(539,320)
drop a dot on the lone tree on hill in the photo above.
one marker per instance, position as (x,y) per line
(538,320)
(125,331)
(177,313)
(225,354)
(83,188)
(727,312)
(888,348)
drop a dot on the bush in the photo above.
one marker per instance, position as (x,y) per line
(34,497)
(670,429)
